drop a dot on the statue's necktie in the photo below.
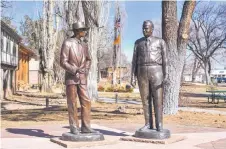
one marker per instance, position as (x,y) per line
(147,43)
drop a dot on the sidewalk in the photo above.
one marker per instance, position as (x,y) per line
(36,137)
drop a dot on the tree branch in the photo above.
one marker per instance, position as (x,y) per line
(195,52)
(217,47)
(196,47)
(183,30)
(197,34)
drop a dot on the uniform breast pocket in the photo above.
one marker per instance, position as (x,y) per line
(142,51)
(155,50)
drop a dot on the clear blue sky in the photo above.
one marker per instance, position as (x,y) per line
(137,12)
(21,8)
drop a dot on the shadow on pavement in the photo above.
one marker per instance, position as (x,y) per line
(111,133)
(30,132)
(106,132)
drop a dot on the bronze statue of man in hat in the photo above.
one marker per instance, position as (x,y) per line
(76,61)
(149,65)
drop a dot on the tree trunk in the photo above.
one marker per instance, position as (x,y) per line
(176,40)
(207,75)
(98,66)
(92,11)
(194,70)
(92,78)
(182,74)
(44,87)
(47,52)
(169,34)
(194,74)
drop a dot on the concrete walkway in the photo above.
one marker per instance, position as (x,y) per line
(37,137)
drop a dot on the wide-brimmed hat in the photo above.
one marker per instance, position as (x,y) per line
(79,25)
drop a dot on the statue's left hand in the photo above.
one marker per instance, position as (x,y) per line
(77,75)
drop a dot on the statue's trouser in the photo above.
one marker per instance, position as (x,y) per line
(150,85)
(73,93)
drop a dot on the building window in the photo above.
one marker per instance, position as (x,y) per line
(14,49)
(2,43)
(8,46)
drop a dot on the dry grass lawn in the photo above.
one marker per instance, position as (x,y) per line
(116,112)
(107,112)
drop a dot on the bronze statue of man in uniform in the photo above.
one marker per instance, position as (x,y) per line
(76,61)
(149,65)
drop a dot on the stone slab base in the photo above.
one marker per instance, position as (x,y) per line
(147,133)
(172,139)
(70,144)
(82,137)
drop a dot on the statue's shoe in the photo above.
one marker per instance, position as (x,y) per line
(88,130)
(145,127)
(74,130)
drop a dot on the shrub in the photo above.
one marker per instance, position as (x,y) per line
(109,89)
(100,88)
(121,89)
(128,87)
(130,90)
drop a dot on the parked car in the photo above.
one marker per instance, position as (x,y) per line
(221,80)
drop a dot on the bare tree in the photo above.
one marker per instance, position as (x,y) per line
(5,4)
(59,72)
(104,49)
(176,37)
(28,31)
(96,16)
(69,13)
(48,45)
(158,29)
(196,67)
(208,34)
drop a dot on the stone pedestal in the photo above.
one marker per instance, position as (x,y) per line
(172,139)
(82,137)
(152,134)
(108,140)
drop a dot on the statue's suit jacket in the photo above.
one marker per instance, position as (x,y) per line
(74,59)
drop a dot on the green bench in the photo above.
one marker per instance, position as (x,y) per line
(215,95)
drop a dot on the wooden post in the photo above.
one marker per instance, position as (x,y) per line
(116,97)
(47,102)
